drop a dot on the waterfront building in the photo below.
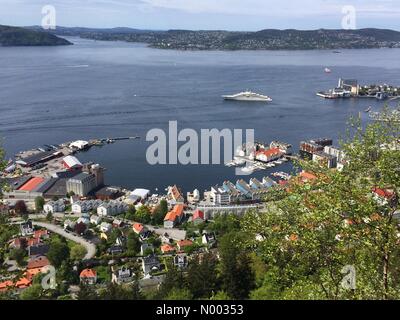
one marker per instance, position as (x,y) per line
(193,197)
(249,192)
(143,194)
(268,155)
(82,184)
(72,163)
(350,85)
(79,145)
(174,195)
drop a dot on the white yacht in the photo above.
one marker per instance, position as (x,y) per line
(247,96)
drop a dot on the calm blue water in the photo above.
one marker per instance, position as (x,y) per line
(106,89)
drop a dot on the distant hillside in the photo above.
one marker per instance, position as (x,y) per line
(15,36)
(262,40)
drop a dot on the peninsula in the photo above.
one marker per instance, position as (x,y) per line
(15,36)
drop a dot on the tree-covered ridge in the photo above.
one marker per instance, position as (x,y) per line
(269,39)
(15,36)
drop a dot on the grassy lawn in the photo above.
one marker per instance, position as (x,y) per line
(103,274)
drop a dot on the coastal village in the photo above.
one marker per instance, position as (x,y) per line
(134,236)
(128,236)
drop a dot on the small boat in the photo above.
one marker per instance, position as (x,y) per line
(327,70)
(368,109)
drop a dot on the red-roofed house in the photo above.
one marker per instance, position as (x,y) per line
(384,196)
(23,283)
(88,276)
(38,262)
(307,176)
(4,286)
(41,234)
(174,217)
(139,229)
(167,248)
(184,243)
(198,217)
(269,154)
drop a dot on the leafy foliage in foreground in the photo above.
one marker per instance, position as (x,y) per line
(336,220)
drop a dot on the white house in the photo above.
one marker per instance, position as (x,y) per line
(54,206)
(95,220)
(105,227)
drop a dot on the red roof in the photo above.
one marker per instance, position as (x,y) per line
(167,248)
(38,262)
(4,286)
(184,243)
(138,227)
(176,212)
(88,273)
(307,176)
(198,214)
(31,184)
(384,193)
(269,152)
(40,233)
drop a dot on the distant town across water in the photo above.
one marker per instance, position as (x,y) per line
(114,89)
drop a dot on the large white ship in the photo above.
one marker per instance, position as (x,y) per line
(247,96)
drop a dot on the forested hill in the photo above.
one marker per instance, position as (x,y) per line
(269,39)
(16,36)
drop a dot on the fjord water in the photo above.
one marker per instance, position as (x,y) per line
(94,89)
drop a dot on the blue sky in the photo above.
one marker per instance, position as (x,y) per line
(204,14)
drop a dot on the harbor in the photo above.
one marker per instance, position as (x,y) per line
(349,88)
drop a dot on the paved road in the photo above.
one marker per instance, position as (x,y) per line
(90,247)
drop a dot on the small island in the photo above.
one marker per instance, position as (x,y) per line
(16,36)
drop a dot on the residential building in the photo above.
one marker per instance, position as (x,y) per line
(105,227)
(26,228)
(174,217)
(181,261)
(96,220)
(208,238)
(198,217)
(88,276)
(54,206)
(122,275)
(167,248)
(174,195)
(150,263)
(111,208)
(182,244)
(193,197)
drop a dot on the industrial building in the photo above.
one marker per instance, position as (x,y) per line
(82,184)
